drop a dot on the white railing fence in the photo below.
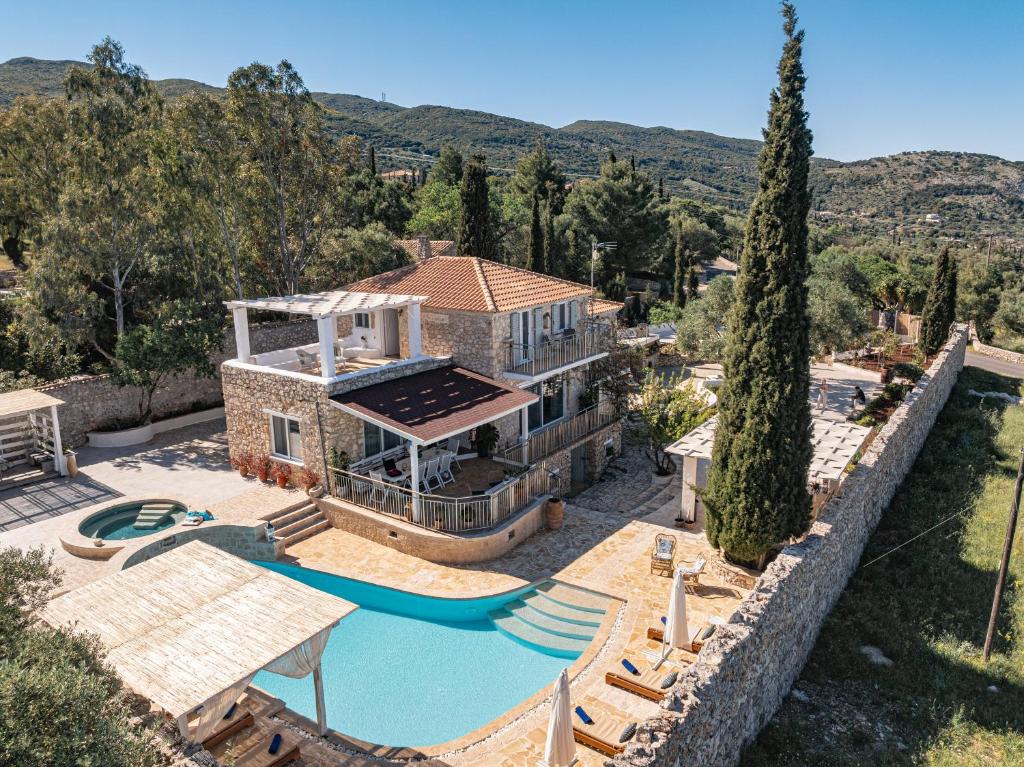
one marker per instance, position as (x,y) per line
(533,359)
(437,512)
(543,443)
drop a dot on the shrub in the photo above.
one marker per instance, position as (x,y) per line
(908,370)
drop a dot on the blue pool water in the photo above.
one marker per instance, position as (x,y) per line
(410,670)
(117,523)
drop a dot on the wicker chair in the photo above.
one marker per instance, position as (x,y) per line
(663,555)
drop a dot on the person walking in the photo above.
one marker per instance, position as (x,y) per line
(857,397)
(822,394)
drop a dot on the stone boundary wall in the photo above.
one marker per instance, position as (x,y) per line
(95,403)
(747,667)
(995,352)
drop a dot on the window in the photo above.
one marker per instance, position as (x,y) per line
(361,320)
(286,437)
(377,440)
(560,313)
(551,406)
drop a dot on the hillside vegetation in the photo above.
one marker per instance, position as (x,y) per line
(975,195)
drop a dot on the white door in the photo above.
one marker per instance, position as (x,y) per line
(392,346)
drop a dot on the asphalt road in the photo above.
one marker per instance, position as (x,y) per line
(993,365)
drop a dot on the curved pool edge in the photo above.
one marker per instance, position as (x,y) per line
(82,546)
(578,667)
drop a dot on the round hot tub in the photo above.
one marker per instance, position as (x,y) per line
(118,523)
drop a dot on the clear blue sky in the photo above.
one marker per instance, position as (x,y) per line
(883,76)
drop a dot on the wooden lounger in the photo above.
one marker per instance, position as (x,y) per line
(658,635)
(647,685)
(603,735)
(241,719)
(258,756)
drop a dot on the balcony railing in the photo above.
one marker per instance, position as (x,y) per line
(543,443)
(573,346)
(438,512)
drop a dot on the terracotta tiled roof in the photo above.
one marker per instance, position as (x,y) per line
(436,403)
(472,284)
(437,247)
(602,306)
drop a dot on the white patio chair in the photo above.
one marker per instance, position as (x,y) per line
(453,445)
(444,470)
(432,475)
(379,486)
(306,359)
(421,480)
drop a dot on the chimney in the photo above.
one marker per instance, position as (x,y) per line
(423,251)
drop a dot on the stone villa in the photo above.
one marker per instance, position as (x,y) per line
(454,394)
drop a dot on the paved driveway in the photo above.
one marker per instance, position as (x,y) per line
(994,365)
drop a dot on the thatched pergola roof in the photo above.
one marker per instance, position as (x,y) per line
(186,625)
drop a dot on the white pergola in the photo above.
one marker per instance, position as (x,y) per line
(28,421)
(189,628)
(325,308)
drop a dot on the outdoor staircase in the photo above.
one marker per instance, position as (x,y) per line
(298,522)
(553,618)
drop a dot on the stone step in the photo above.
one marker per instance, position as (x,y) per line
(545,622)
(276,515)
(538,639)
(542,603)
(575,597)
(296,525)
(306,532)
(295,515)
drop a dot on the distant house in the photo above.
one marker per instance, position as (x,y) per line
(409,175)
(933,218)
(423,247)
(717,268)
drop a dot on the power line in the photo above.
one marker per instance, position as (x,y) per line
(919,535)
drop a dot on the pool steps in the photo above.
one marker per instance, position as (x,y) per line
(298,522)
(152,515)
(553,618)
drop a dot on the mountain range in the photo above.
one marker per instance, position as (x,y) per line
(950,194)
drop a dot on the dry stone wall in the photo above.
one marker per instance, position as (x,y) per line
(95,403)
(745,670)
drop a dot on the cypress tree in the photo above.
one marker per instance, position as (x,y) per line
(939,305)
(535,245)
(692,281)
(611,157)
(474,235)
(552,249)
(682,262)
(757,492)
(373,161)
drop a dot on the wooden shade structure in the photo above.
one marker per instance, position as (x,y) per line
(28,421)
(187,625)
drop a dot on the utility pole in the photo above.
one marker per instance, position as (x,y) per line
(1011,528)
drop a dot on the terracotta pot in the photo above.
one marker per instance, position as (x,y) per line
(243,470)
(71,462)
(282,481)
(262,475)
(316,491)
(555,513)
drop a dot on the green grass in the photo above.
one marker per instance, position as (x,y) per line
(926,607)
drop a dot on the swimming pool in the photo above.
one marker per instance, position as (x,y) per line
(411,670)
(117,522)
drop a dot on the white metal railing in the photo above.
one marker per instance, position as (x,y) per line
(533,359)
(437,512)
(546,441)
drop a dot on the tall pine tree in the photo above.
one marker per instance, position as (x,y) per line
(757,492)
(939,305)
(474,237)
(535,246)
(373,163)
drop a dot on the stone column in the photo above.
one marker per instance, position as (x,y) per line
(325,330)
(415,340)
(241,317)
(59,461)
(524,432)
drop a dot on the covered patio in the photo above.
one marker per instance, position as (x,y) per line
(30,442)
(189,629)
(355,331)
(431,468)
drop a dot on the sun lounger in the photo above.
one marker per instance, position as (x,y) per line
(286,749)
(237,719)
(593,728)
(697,637)
(646,684)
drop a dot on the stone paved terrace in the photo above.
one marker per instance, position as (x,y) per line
(600,550)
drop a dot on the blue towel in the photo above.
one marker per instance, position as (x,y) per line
(630,667)
(275,744)
(583,715)
(231,711)
(664,620)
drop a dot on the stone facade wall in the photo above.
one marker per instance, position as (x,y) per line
(747,667)
(95,403)
(242,541)
(468,337)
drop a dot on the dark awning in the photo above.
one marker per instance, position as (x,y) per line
(430,406)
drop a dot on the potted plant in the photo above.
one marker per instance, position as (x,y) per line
(338,460)
(261,465)
(484,439)
(282,472)
(241,461)
(309,481)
